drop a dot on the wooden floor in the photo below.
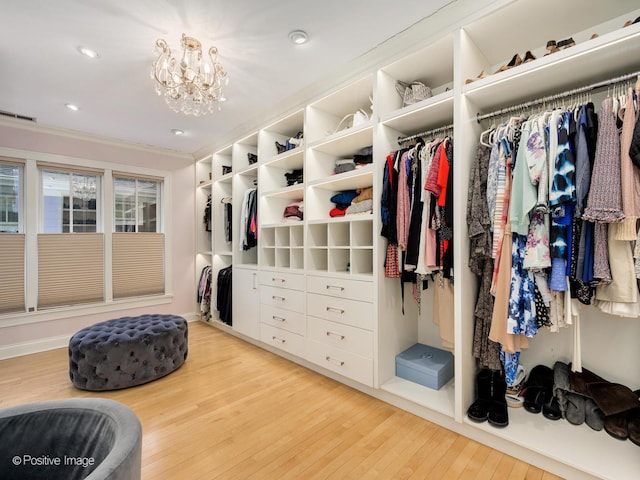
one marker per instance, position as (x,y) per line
(235,411)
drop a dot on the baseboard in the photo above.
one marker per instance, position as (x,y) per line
(51,343)
(35,346)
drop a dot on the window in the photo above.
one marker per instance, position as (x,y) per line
(10,191)
(138,242)
(70,248)
(12,240)
(69,202)
(136,204)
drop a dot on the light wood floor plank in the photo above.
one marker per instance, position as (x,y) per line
(235,411)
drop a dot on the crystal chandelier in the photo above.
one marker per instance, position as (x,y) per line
(193,84)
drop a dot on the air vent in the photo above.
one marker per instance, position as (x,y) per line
(17,116)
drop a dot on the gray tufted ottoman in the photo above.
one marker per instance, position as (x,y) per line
(127,351)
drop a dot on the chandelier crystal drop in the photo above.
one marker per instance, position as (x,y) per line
(192,84)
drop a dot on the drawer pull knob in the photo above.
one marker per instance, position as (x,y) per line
(274,297)
(280,319)
(277,339)
(275,279)
(337,335)
(340,363)
(336,310)
(335,287)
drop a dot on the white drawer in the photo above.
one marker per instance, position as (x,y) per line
(287,341)
(282,298)
(294,281)
(293,322)
(341,287)
(348,364)
(348,312)
(338,335)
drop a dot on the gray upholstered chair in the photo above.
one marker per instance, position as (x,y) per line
(92,438)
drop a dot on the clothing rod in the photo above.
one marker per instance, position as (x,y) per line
(557,96)
(425,134)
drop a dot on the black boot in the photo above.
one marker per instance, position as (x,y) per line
(498,415)
(479,410)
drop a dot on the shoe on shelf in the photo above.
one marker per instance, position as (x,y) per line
(480,76)
(566,43)
(515,61)
(498,413)
(479,410)
(629,22)
(538,389)
(552,47)
(617,426)
(528,57)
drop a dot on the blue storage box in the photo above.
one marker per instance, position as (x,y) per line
(428,366)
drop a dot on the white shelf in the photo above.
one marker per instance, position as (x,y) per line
(359,178)
(578,446)
(294,192)
(425,115)
(346,142)
(441,401)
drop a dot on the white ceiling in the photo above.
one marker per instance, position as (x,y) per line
(42,68)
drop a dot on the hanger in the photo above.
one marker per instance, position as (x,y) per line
(486,142)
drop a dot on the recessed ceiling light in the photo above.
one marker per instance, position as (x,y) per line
(87,52)
(71,106)
(298,37)
(177,131)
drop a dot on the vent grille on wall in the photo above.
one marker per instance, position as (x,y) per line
(15,115)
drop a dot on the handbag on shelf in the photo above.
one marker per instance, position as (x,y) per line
(413,92)
(226,169)
(252,157)
(351,120)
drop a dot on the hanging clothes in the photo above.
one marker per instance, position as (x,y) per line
(417,218)
(249,220)
(555,203)
(206,219)
(224,298)
(227,217)
(204,293)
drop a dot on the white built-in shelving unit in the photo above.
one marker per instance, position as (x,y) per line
(314,291)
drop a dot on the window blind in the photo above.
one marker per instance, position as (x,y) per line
(136,176)
(69,168)
(137,264)
(12,161)
(11,272)
(70,268)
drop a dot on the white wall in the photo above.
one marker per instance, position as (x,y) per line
(25,334)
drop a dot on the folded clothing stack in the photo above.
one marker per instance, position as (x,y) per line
(294,177)
(352,202)
(294,212)
(344,165)
(364,156)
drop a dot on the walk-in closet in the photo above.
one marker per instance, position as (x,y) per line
(319,282)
